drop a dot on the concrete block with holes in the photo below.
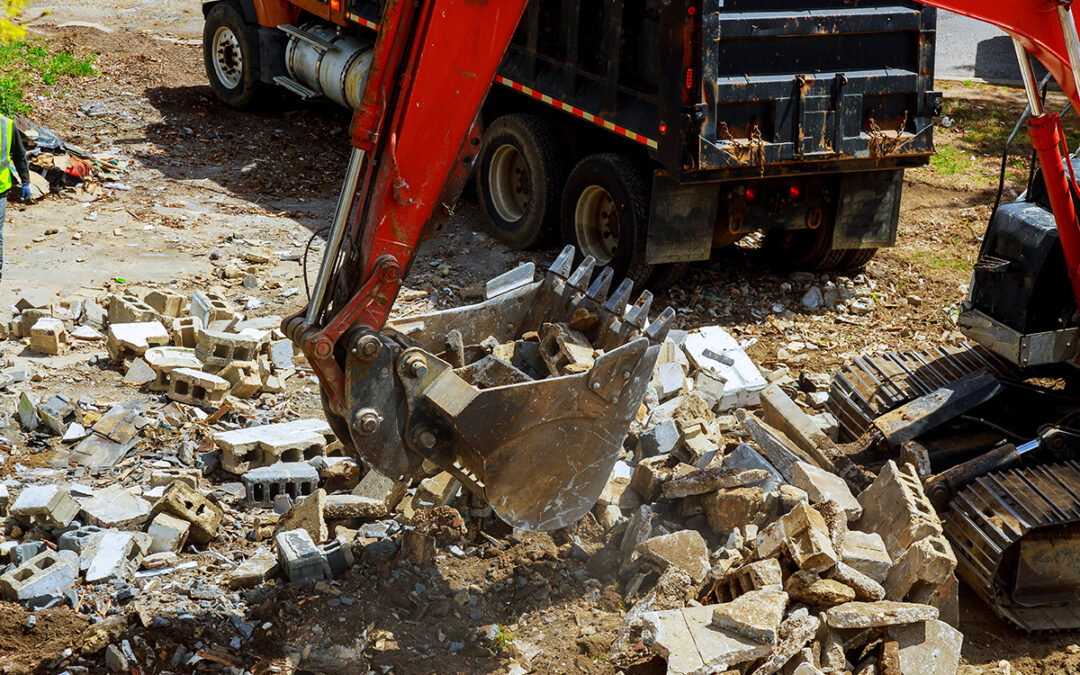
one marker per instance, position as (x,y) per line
(166,303)
(250,448)
(264,484)
(209,306)
(182,501)
(217,350)
(129,309)
(185,331)
(163,360)
(47,573)
(244,379)
(195,387)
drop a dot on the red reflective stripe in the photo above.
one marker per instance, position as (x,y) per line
(577,112)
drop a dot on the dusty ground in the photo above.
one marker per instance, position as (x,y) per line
(207,182)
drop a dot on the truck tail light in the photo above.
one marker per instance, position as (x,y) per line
(753,194)
(689,78)
(795,192)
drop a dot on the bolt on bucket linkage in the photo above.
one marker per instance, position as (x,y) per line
(525,398)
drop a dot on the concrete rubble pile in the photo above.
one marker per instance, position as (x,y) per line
(776,554)
(769,553)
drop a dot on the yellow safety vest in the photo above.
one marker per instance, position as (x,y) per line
(6,129)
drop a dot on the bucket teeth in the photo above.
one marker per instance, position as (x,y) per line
(564,263)
(660,326)
(580,278)
(521,275)
(639,313)
(616,304)
(601,285)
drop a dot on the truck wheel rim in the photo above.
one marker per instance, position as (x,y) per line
(228,59)
(596,224)
(508,181)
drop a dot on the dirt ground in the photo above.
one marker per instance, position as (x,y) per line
(205,182)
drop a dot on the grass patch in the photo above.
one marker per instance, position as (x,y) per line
(950,161)
(935,260)
(503,638)
(28,64)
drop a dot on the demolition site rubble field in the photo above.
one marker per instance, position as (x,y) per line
(175,502)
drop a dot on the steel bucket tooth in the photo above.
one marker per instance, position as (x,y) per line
(533,425)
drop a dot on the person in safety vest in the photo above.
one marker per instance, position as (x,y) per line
(12,160)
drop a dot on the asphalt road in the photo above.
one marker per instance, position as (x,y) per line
(968,49)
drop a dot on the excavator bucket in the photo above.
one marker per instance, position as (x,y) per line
(526,397)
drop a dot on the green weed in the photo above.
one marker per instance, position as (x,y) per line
(26,64)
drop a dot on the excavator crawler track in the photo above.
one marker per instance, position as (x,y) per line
(1016,536)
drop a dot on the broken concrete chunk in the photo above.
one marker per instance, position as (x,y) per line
(877,614)
(185,503)
(383,492)
(729,508)
(658,440)
(299,558)
(715,350)
(805,586)
(48,336)
(168,533)
(755,615)
(139,373)
(128,340)
(565,350)
(928,561)
(866,552)
(257,569)
(649,476)
(114,507)
(930,648)
(821,486)
(702,481)
(117,555)
(308,515)
(49,506)
(896,507)
(690,644)
(797,629)
(866,589)
(685,549)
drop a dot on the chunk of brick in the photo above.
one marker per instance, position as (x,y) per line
(896,507)
(185,503)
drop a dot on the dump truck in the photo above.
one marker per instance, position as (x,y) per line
(647,134)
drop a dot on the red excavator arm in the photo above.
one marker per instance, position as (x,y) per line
(1045,29)
(414,140)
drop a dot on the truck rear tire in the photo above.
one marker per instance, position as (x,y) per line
(605,214)
(520,180)
(857,257)
(230,54)
(809,250)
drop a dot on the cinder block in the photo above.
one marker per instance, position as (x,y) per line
(896,507)
(245,449)
(243,378)
(185,503)
(45,574)
(209,306)
(299,558)
(217,350)
(166,303)
(129,309)
(48,506)
(185,331)
(197,388)
(168,533)
(164,360)
(48,336)
(264,484)
(128,340)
